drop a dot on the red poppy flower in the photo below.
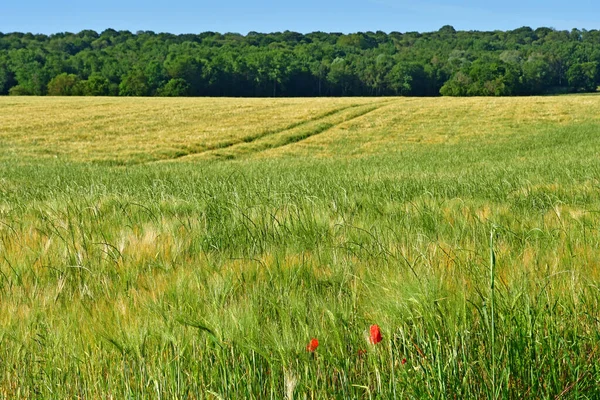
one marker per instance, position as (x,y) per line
(312,345)
(375,336)
(403,361)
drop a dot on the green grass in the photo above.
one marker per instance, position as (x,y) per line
(207,277)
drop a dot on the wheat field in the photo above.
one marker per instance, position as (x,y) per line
(192,248)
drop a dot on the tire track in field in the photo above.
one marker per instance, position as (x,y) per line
(282,140)
(261,135)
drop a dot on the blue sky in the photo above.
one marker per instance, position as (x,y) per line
(186,16)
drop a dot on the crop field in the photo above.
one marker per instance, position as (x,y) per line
(193,248)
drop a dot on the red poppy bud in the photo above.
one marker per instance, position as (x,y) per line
(375,336)
(312,345)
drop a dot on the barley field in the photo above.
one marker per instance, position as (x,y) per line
(194,248)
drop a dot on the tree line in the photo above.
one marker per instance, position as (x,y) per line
(446,62)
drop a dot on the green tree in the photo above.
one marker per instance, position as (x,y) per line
(376,73)
(491,77)
(19,90)
(320,69)
(7,79)
(408,79)
(135,83)
(96,85)
(174,88)
(187,68)
(341,77)
(65,85)
(156,75)
(357,40)
(30,74)
(522,61)
(458,85)
(537,74)
(582,76)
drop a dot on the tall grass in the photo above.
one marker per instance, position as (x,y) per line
(208,279)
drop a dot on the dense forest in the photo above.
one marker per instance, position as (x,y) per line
(446,62)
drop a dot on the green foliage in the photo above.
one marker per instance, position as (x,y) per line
(97,85)
(408,79)
(583,76)
(537,74)
(7,79)
(29,71)
(458,85)
(484,77)
(156,75)
(490,78)
(135,83)
(65,85)
(518,62)
(341,77)
(186,68)
(19,90)
(447,29)
(175,88)
(360,41)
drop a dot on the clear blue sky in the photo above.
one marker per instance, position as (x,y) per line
(187,16)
